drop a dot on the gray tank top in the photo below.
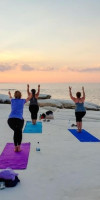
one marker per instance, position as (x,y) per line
(33,101)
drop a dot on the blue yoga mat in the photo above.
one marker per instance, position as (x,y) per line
(31,128)
(84,136)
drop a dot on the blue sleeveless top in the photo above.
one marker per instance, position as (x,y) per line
(17,106)
(80,107)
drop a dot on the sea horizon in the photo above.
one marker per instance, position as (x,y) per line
(56,90)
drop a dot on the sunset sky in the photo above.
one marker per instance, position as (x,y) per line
(50,41)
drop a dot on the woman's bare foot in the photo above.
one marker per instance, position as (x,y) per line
(79,130)
(16,149)
(19,149)
(33,121)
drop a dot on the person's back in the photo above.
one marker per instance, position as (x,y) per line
(80,110)
(80,107)
(17,108)
(15,119)
(33,101)
(33,106)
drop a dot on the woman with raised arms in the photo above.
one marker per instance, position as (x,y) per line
(80,110)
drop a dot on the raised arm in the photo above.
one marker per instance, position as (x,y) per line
(70,94)
(28,92)
(38,92)
(9,93)
(83,93)
(29,97)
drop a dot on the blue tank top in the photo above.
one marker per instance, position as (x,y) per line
(17,106)
(80,107)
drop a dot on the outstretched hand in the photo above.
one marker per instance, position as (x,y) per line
(28,85)
(83,88)
(9,92)
(70,88)
(38,85)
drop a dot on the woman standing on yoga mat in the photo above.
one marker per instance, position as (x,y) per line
(33,107)
(80,110)
(15,120)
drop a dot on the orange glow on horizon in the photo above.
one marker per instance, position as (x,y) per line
(43,77)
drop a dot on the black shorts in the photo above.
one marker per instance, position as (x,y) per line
(79,116)
(34,110)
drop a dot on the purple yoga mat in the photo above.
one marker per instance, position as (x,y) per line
(14,160)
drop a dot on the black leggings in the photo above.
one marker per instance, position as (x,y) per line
(79,116)
(16,125)
(34,110)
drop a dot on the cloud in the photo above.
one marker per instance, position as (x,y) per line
(87,69)
(5,68)
(27,68)
(46,69)
(30,68)
(63,69)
